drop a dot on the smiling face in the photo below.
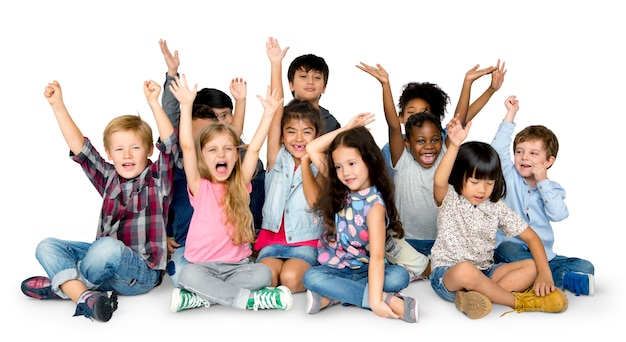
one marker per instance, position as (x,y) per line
(128,152)
(220,156)
(308,86)
(477,191)
(350,168)
(530,153)
(297,133)
(424,143)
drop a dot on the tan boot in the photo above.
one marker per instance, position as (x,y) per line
(556,301)
(473,304)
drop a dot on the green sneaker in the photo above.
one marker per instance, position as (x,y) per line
(183,300)
(271,298)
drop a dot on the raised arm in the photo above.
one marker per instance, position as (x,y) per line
(456,134)
(152,90)
(185,96)
(463,105)
(168,101)
(396,140)
(316,149)
(239,91)
(271,104)
(276,56)
(73,136)
(497,78)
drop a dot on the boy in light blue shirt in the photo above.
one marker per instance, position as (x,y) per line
(537,199)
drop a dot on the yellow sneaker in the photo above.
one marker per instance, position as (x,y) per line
(473,304)
(556,301)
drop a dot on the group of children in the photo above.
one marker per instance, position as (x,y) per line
(330,213)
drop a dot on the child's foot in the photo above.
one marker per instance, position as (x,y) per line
(183,300)
(579,283)
(314,302)
(556,301)
(96,305)
(39,287)
(473,304)
(271,298)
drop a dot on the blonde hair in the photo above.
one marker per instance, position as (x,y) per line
(237,200)
(132,123)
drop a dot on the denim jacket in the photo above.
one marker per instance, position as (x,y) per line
(284,193)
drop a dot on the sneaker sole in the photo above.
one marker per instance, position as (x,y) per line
(289,296)
(473,304)
(175,302)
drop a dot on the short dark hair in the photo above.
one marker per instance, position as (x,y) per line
(302,110)
(436,98)
(419,119)
(479,160)
(307,63)
(213,98)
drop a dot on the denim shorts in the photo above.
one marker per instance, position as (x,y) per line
(306,253)
(436,280)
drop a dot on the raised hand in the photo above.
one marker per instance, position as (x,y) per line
(271,101)
(152,90)
(361,119)
(497,76)
(456,132)
(238,88)
(53,94)
(512,103)
(181,91)
(172,61)
(274,53)
(474,73)
(378,72)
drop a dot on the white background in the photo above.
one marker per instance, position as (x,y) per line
(565,63)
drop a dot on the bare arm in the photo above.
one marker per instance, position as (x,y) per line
(463,105)
(73,136)
(316,149)
(396,140)
(497,78)
(271,105)
(376,275)
(185,96)
(456,134)
(152,90)
(276,56)
(239,90)
(311,185)
(544,284)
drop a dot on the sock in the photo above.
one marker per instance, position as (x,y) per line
(83,296)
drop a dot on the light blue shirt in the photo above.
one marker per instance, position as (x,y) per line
(537,206)
(284,193)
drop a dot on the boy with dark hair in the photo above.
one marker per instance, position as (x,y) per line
(308,77)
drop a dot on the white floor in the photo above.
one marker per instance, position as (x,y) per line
(147,317)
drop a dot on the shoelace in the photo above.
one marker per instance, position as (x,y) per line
(524,301)
(265,300)
(192,300)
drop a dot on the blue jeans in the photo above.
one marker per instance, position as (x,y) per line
(305,253)
(436,281)
(422,246)
(349,286)
(509,251)
(106,265)
(175,265)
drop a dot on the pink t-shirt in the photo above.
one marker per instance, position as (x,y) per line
(209,238)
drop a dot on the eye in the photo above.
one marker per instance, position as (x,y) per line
(420,141)
(337,167)
(435,141)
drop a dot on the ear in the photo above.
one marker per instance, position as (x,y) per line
(407,145)
(291,88)
(150,150)
(548,163)
(106,150)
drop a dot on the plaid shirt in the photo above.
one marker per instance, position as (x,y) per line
(134,210)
